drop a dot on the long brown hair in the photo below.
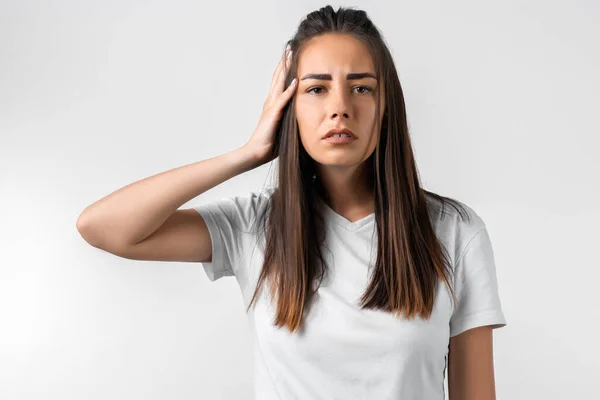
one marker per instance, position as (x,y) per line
(410,258)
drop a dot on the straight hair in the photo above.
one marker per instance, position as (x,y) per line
(410,258)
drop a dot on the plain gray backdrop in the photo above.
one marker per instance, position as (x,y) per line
(502,101)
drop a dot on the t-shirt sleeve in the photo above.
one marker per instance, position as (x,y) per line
(476,287)
(228,220)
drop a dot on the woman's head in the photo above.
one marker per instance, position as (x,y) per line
(337,88)
(410,259)
(334,44)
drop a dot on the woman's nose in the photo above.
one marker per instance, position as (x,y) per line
(339,104)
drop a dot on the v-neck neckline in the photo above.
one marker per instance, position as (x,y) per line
(345,223)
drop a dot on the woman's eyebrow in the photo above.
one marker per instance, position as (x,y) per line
(327,77)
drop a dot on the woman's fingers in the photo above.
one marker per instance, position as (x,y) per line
(288,93)
(279,74)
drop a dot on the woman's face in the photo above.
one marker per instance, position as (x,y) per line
(331,100)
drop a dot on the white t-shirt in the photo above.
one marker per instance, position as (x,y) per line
(345,352)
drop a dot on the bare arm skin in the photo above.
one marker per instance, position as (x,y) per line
(470,365)
(142,220)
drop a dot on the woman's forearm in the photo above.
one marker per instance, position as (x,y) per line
(132,213)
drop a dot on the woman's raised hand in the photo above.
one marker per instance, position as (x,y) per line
(262,140)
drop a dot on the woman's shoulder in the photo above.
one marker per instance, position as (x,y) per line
(453,219)
(252,207)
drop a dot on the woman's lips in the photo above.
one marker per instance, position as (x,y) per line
(339,139)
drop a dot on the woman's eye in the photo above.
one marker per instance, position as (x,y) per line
(367,89)
(364,87)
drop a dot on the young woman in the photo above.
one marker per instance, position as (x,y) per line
(359,284)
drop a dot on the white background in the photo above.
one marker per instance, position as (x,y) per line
(502,100)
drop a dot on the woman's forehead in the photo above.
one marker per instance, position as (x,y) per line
(334,54)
